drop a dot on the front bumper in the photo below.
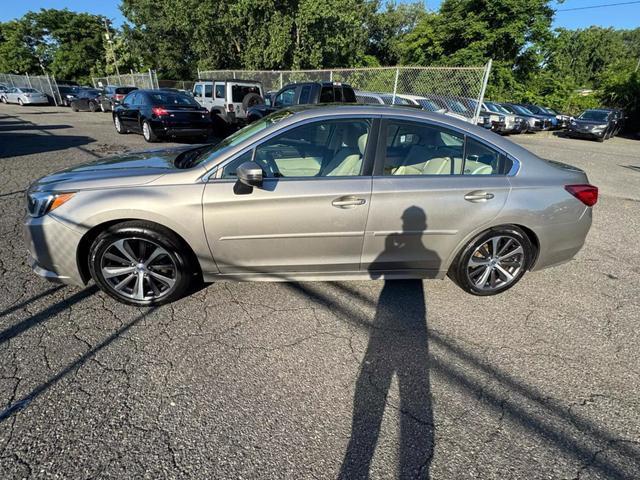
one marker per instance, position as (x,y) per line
(53,248)
(584,133)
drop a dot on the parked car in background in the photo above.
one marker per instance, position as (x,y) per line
(68,93)
(111,95)
(535,123)
(598,124)
(563,119)
(159,114)
(543,112)
(25,96)
(3,89)
(86,100)
(374,98)
(228,101)
(498,119)
(618,120)
(424,103)
(304,94)
(326,193)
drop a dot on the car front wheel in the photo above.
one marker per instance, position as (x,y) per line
(493,261)
(140,264)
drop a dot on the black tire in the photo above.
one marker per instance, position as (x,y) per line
(21,102)
(92,106)
(251,100)
(183,272)
(461,271)
(4,100)
(601,139)
(220,126)
(148,133)
(118,125)
(74,108)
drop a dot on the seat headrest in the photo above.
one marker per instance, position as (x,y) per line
(362,142)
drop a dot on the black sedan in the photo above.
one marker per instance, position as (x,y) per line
(68,93)
(594,124)
(160,114)
(112,95)
(86,100)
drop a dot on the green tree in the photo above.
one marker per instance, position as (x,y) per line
(17,49)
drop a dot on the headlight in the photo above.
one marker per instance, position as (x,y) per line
(41,203)
(599,128)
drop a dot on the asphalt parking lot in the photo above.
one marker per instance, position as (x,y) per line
(321,380)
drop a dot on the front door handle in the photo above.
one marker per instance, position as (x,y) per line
(348,202)
(478,196)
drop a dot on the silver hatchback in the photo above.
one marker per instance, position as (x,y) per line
(315,193)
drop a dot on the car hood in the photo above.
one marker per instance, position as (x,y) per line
(121,171)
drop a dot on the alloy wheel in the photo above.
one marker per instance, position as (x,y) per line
(496,263)
(116,120)
(146,132)
(138,269)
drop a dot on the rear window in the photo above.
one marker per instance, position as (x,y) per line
(171,98)
(326,95)
(238,92)
(124,90)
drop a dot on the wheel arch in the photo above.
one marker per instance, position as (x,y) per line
(82,252)
(531,235)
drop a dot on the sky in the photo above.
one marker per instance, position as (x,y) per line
(621,16)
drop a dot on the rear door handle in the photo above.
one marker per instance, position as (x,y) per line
(478,196)
(348,202)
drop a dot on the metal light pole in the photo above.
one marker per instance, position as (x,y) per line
(110,42)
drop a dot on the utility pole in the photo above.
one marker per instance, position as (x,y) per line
(110,42)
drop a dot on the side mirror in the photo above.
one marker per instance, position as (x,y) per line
(250,174)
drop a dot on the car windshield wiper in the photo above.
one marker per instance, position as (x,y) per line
(187,158)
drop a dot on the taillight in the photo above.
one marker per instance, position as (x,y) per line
(119,96)
(159,111)
(230,107)
(587,194)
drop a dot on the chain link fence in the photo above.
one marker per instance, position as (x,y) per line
(456,89)
(147,80)
(43,83)
(186,85)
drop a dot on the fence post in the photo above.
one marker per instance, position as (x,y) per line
(485,80)
(53,94)
(280,79)
(198,73)
(28,79)
(331,75)
(151,79)
(395,87)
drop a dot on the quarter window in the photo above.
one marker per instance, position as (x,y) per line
(419,149)
(305,93)
(332,148)
(220,90)
(483,160)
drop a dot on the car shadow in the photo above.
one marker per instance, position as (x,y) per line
(398,346)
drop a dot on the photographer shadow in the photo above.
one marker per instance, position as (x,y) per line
(398,345)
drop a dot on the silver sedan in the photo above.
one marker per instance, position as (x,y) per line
(320,193)
(25,96)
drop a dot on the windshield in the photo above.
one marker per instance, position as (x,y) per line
(429,105)
(522,110)
(214,151)
(457,106)
(172,98)
(494,107)
(594,115)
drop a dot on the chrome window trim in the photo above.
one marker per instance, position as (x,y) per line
(212,174)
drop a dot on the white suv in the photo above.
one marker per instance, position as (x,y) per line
(228,101)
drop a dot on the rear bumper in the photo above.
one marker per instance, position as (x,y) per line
(184,132)
(53,250)
(35,101)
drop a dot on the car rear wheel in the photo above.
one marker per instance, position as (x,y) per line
(147,132)
(140,264)
(21,102)
(74,107)
(4,99)
(493,261)
(118,124)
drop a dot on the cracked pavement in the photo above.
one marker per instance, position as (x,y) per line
(321,379)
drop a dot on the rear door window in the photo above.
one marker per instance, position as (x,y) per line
(327,95)
(208,91)
(305,94)
(220,90)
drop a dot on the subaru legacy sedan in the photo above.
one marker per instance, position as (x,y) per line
(312,193)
